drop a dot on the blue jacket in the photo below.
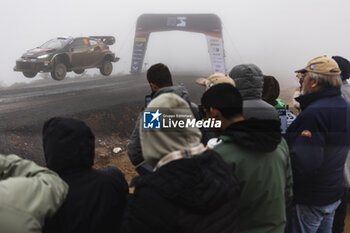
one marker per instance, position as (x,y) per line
(318,140)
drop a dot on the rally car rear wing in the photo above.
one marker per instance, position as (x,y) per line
(108,40)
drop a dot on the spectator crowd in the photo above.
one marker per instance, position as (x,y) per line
(262,169)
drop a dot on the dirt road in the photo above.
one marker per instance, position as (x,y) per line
(108,105)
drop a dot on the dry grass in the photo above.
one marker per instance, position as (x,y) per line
(347,220)
(105,157)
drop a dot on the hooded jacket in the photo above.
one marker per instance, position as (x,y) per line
(178,90)
(259,158)
(156,143)
(134,145)
(189,195)
(192,192)
(249,81)
(183,93)
(96,198)
(319,140)
(345,90)
(29,194)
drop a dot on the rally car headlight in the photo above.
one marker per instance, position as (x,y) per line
(43,56)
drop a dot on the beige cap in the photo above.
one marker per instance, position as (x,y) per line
(321,65)
(215,79)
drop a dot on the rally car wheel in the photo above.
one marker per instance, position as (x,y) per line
(59,72)
(106,68)
(79,71)
(29,74)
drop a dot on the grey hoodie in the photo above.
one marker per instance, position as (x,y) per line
(249,81)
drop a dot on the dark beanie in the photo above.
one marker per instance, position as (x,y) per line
(344,66)
(68,145)
(224,97)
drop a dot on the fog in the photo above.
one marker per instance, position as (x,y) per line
(279,36)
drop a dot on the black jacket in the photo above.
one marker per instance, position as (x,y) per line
(96,198)
(186,195)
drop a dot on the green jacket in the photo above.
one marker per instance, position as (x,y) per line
(28,195)
(262,166)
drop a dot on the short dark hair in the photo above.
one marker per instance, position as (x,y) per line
(225,98)
(271,90)
(159,75)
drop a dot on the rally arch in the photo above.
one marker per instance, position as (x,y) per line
(208,24)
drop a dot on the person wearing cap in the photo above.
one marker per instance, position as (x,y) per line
(215,79)
(258,157)
(191,189)
(96,198)
(160,81)
(249,82)
(319,140)
(340,213)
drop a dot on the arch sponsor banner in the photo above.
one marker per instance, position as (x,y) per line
(208,24)
(216,53)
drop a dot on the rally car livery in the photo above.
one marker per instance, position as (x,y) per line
(62,55)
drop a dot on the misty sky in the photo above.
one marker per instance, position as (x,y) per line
(279,36)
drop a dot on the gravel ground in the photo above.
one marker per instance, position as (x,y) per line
(112,128)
